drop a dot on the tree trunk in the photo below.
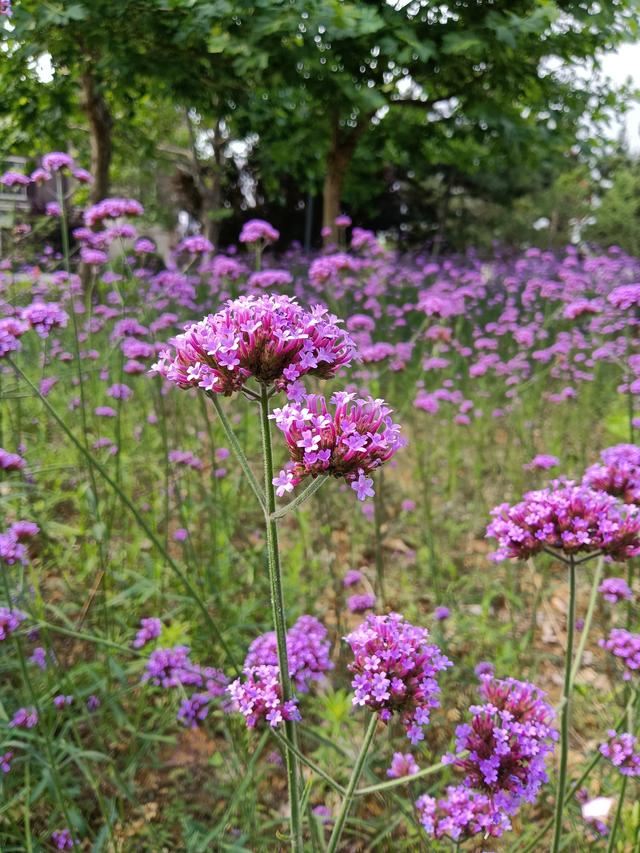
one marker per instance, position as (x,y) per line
(341,150)
(100,135)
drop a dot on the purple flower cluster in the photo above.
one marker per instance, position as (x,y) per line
(351,578)
(5,8)
(307,649)
(460,815)
(257,231)
(150,629)
(112,208)
(11,461)
(615,590)
(24,718)
(12,549)
(395,669)
(502,751)
(195,245)
(63,840)
(566,518)
(618,473)
(5,762)
(270,338)
(361,602)
(402,764)
(259,697)
(354,440)
(10,621)
(542,462)
(502,754)
(621,751)
(626,646)
(42,317)
(172,667)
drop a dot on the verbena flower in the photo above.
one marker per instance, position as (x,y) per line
(460,815)
(171,667)
(361,602)
(258,230)
(542,462)
(621,751)
(307,649)
(402,764)
(351,442)
(150,629)
(395,670)
(112,208)
(194,709)
(10,621)
(615,590)
(63,839)
(566,518)
(626,646)
(11,461)
(54,161)
(259,697)
(270,338)
(5,762)
(351,578)
(502,751)
(618,473)
(595,811)
(44,316)
(24,718)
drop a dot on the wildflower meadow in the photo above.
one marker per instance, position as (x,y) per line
(325,542)
(345,562)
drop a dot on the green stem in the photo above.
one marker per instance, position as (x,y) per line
(351,787)
(311,489)
(279,619)
(239,452)
(587,619)
(403,780)
(377,517)
(616,820)
(566,703)
(310,764)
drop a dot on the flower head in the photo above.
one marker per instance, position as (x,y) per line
(402,764)
(307,649)
(258,230)
(361,602)
(621,751)
(10,621)
(502,751)
(259,697)
(150,629)
(615,590)
(267,337)
(462,814)
(395,669)
(355,439)
(618,473)
(626,646)
(44,316)
(566,518)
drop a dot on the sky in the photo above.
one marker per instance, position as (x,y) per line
(622,64)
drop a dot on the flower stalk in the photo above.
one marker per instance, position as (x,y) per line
(351,787)
(566,707)
(279,620)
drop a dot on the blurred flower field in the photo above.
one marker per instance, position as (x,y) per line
(224,477)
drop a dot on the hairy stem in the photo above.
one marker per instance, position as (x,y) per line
(351,787)
(566,705)
(279,620)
